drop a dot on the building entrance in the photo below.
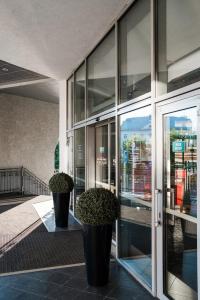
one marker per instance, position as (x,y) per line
(176,198)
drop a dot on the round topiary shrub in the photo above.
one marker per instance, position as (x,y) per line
(97,206)
(61,183)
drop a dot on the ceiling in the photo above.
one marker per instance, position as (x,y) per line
(47,91)
(52,37)
(10,74)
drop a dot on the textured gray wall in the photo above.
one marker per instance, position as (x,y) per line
(28,134)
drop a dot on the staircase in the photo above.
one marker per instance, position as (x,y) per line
(20,181)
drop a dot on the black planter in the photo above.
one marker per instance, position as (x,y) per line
(97,246)
(61,208)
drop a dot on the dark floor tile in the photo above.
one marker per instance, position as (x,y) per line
(7,280)
(103,291)
(37,287)
(146,296)
(71,284)
(65,293)
(88,296)
(121,278)
(74,271)
(8,293)
(51,276)
(123,294)
(29,296)
(77,283)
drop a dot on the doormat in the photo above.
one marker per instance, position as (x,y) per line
(42,249)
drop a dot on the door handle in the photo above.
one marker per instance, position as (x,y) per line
(171,200)
(158,222)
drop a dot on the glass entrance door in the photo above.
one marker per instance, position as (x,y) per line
(105,156)
(135,249)
(176,199)
(105,159)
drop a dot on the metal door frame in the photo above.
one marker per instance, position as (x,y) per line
(179,103)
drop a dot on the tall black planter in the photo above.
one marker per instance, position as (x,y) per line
(97,246)
(61,208)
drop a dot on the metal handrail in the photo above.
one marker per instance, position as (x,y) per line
(21,180)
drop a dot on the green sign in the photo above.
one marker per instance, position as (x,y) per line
(178,146)
(56,158)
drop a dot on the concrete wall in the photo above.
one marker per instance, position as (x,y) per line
(29,131)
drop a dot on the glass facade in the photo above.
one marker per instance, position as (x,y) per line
(157,233)
(79,97)
(102,156)
(135,192)
(70,98)
(180,185)
(101,76)
(179,43)
(135,52)
(79,161)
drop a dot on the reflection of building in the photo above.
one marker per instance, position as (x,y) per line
(140,126)
(136,150)
(183,142)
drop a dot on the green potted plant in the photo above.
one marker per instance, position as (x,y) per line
(61,185)
(97,209)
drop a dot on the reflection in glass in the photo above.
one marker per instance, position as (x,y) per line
(181,161)
(79,99)
(70,95)
(179,42)
(70,163)
(135,51)
(180,185)
(112,156)
(180,258)
(102,156)
(79,162)
(101,76)
(135,192)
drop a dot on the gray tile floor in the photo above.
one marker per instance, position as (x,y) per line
(70,284)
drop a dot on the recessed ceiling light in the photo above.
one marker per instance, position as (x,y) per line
(4,69)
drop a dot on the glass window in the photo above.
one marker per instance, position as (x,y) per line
(135,192)
(101,76)
(102,156)
(135,52)
(70,95)
(180,198)
(79,99)
(79,162)
(179,43)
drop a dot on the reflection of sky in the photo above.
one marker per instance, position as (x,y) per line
(144,112)
(189,116)
(135,124)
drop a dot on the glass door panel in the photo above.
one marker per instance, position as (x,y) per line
(79,163)
(102,156)
(70,163)
(135,193)
(112,157)
(180,204)
(105,159)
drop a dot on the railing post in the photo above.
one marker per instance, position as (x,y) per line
(22,181)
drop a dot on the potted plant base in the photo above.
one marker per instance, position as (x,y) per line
(61,208)
(97,253)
